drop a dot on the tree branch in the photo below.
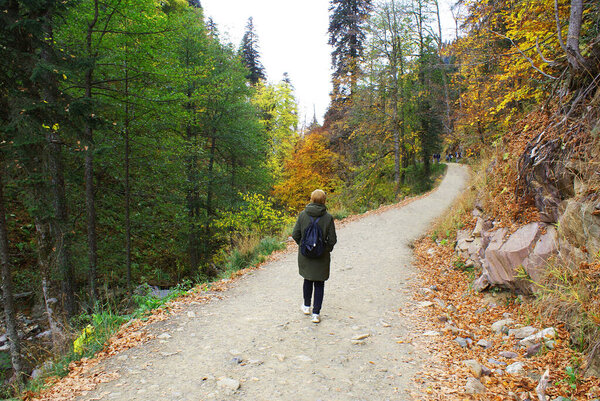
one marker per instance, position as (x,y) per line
(558,27)
(525,55)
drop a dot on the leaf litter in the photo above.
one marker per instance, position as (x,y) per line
(444,375)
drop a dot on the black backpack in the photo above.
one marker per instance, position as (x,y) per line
(312,245)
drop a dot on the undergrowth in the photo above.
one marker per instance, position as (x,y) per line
(250,251)
(571,295)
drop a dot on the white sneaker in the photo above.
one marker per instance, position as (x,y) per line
(316,318)
(306,309)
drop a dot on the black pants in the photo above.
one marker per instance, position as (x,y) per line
(319,289)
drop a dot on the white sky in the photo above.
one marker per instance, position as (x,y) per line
(292,36)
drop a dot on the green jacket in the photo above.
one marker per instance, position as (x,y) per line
(315,269)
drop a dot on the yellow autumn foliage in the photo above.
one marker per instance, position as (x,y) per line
(504,63)
(313,165)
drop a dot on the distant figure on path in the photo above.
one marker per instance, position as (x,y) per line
(314,267)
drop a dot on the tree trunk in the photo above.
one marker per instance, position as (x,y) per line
(573,51)
(9,306)
(43,230)
(90,202)
(209,196)
(193,196)
(60,223)
(192,203)
(402,125)
(127,185)
(56,333)
(396,52)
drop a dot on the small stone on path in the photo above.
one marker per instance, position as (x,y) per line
(501,326)
(495,362)
(533,350)
(474,367)
(508,354)
(228,383)
(547,336)
(522,332)
(462,342)
(474,386)
(485,344)
(164,336)
(361,336)
(516,368)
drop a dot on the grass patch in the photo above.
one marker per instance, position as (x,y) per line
(571,294)
(445,227)
(250,251)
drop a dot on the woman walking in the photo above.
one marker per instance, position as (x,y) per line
(314,264)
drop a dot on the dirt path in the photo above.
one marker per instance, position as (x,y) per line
(257,338)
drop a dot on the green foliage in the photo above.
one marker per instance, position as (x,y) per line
(375,187)
(256,215)
(279,117)
(572,378)
(250,55)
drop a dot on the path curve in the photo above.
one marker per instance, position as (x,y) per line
(256,335)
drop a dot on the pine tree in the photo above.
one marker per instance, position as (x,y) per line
(250,54)
(346,35)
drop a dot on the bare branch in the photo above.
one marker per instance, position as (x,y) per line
(525,55)
(558,27)
(544,59)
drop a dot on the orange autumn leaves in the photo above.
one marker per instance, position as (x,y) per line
(312,165)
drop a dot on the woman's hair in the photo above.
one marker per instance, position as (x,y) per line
(318,196)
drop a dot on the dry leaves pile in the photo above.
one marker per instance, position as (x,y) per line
(445,376)
(500,196)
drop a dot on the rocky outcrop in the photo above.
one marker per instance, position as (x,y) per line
(579,226)
(509,261)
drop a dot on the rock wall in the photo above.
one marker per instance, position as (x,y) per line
(516,261)
(508,261)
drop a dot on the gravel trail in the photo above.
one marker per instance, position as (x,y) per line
(255,344)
